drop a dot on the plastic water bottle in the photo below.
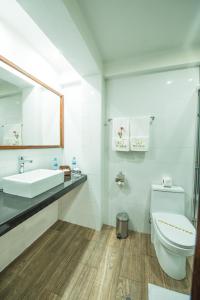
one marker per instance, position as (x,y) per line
(74,166)
(55,164)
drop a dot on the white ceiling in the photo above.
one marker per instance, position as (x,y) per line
(7,88)
(15,17)
(116,37)
(12,78)
(127,28)
(54,20)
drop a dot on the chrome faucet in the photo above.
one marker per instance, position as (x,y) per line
(21,162)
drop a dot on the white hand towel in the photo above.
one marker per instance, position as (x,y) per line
(12,134)
(120,134)
(139,133)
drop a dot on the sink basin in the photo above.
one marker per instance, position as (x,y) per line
(33,183)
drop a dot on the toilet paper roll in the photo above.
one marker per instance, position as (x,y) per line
(167,181)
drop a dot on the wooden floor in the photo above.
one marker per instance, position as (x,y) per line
(72,262)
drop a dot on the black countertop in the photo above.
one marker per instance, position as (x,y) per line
(14,209)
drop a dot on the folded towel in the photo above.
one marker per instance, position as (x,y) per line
(12,134)
(120,134)
(120,144)
(139,134)
(140,143)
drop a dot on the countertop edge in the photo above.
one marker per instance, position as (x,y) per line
(21,217)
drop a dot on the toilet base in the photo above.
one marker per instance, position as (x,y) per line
(172,264)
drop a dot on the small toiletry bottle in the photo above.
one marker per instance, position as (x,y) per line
(74,166)
(55,164)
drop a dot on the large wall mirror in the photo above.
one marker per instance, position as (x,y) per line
(31,112)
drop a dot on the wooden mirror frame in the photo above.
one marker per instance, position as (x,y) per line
(61,145)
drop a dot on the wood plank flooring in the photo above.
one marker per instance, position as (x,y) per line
(76,263)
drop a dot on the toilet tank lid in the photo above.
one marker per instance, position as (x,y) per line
(173,189)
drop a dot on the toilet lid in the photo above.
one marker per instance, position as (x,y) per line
(176,228)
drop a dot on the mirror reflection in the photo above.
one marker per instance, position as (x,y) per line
(29,113)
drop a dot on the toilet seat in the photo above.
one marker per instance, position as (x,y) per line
(175,232)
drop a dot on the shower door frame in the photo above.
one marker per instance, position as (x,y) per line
(197,165)
(195,294)
(196,267)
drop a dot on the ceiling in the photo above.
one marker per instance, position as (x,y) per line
(13,79)
(18,21)
(127,28)
(117,37)
(55,22)
(7,85)
(7,88)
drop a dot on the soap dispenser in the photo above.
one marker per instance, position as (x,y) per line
(55,164)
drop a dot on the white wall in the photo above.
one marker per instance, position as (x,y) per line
(10,113)
(19,51)
(15,48)
(59,26)
(172,98)
(83,139)
(41,116)
(50,110)
(31,117)
(11,109)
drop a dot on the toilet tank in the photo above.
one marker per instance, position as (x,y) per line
(167,199)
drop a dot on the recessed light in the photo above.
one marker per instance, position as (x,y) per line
(169,82)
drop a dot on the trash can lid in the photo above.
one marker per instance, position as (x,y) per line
(123,216)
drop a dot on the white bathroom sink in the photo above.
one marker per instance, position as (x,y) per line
(33,183)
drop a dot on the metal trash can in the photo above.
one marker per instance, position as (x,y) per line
(122,225)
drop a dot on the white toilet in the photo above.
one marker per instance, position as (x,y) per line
(172,234)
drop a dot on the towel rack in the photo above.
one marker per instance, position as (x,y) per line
(4,125)
(151,117)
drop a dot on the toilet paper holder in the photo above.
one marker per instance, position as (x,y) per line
(167,181)
(120,179)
